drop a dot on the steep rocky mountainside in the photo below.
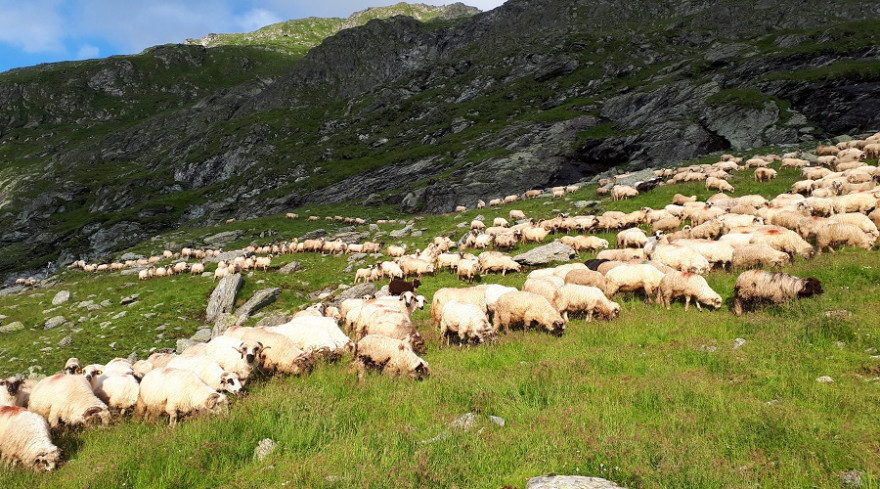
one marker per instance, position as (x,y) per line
(98,155)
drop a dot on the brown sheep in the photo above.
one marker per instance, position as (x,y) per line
(756,286)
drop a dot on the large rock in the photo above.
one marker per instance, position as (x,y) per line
(259,300)
(290,268)
(549,253)
(61,297)
(54,322)
(357,291)
(220,239)
(570,482)
(223,322)
(223,297)
(12,327)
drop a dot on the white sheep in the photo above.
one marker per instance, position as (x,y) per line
(688,285)
(492,293)
(545,286)
(467,321)
(529,310)
(392,356)
(236,356)
(280,354)
(119,391)
(632,277)
(680,258)
(571,298)
(25,439)
(756,286)
(839,234)
(316,334)
(209,371)
(68,399)
(493,261)
(176,392)
(585,243)
(469,269)
(473,295)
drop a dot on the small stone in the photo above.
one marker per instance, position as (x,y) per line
(465,422)
(61,297)
(738,343)
(54,322)
(825,380)
(837,314)
(12,327)
(120,315)
(66,341)
(201,336)
(851,478)
(130,299)
(106,303)
(183,344)
(93,307)
(290,267)
(497,420)
(570,482)
(265,448)
(416,234)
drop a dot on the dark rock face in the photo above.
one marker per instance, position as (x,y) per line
(142,144)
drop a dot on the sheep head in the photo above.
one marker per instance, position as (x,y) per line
(47,461)
(811,286)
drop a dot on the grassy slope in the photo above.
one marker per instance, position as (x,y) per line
(654,399)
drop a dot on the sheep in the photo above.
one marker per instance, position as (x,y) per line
(571,298)
(585,277)
(545,286)
(467,321)
(390,269)
(631,238)
(415,266)
(176,392)
(666,224)
(473,295)
(623,192)
(119,391)
(609,265)
(481,204)
(862,202)
(756,163)
(756,286)
(493,261)
(492,293)
(764,174)
(715,253)
(160,359)
(364,274)
(793,163)
(209,371)
(858,219)
(72,366)
(529,310)
(280,354)
(460,208)
(680,258)
(838,234)
(585,243)
(235,356)
(625,254)
(380,317)
(758,255)
(782,239)
(398,287)
(632,277)
(500,221)
(197,269)
(315,334)
(68,399)
(535,233)
(469,269)
(719,184)
(25,439)
(516,214)
(395,251)
(392,356)
(477,224)
(507,241)
(688,285)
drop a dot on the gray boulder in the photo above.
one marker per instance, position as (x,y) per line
(549,253)
(259,300)
(201,336)
(357,291)
(12,327)
(61,297)
(570,482)
(54,322)
(223,322)
(273,321)
(223,297)
(290,268)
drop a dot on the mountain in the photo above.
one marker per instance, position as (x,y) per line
(98,155)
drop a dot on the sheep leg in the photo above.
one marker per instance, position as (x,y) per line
(687,302)
(697,303)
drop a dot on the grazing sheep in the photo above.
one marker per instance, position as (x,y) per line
(493,261)
(467,321)
(473,295)
(160,359)
(585,277)
(68,399)
(535,233)
(681,258)
(390,269)
(839,234)
(585,243)
(680,199)
(280,354)
(209,371)
(492,293)
(317,335)
(383,317)
(632,277)
(623,254)
(764,174)
(720,184)
(25,439)
(398,287)
(758,255)
(516,214)
(529,310)
(688,285)
(392,356)
(716,253)
(544,286)
(119,391)
(631,238)
(782,239)
(756,286)
(233,355)
(571,298)
(623,192)
(469,269)
(177,393)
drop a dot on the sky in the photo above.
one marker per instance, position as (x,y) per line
(46,31)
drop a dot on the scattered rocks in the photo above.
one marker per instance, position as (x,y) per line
(259,300)
(66,341)
(498,420)
(223,297)
(290,267)
(738,343)
(265,448)
(220,239)
(837,314)
(61,297)
(851,478)
(223,322)
(120,315)
(543,255)
(317,233)
(357,291)
(54,322)
(12,327)
(570,482)
(129,300)
(825,380)
(106,303)
(201,336)
(465,422)
(273,321)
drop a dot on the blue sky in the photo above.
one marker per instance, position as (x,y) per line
(45,31)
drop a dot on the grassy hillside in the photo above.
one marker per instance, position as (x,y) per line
(655,399)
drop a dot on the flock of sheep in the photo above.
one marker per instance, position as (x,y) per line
(831,206)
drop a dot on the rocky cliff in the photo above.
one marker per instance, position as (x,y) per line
(97,155)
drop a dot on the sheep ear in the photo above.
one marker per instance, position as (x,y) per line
(100,372)
(79,370)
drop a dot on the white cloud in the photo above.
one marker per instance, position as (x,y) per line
(256,18)
(34,26)
(87,51)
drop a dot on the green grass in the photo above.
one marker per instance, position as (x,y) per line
(655,399)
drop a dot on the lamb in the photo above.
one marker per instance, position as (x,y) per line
(529,310)
(585,243)
(392,356)
(25,439)
(119,391)
(176,392)
(720,184)
(756,286)
(280,354)
(571,298)
(631,238)
(469,269)
(758,255)
(390,269)
(624,254)
(632,277)
(493,261)
(473,295)
(68,399)
(364,274)
(500,221)
(688,285)
(467,321)
(715,253)
(235,356)
(493,292)
(209,371)
(315,334)
(838,234)
(398,287)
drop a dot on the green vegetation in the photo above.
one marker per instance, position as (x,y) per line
(654,399)
(841,70)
